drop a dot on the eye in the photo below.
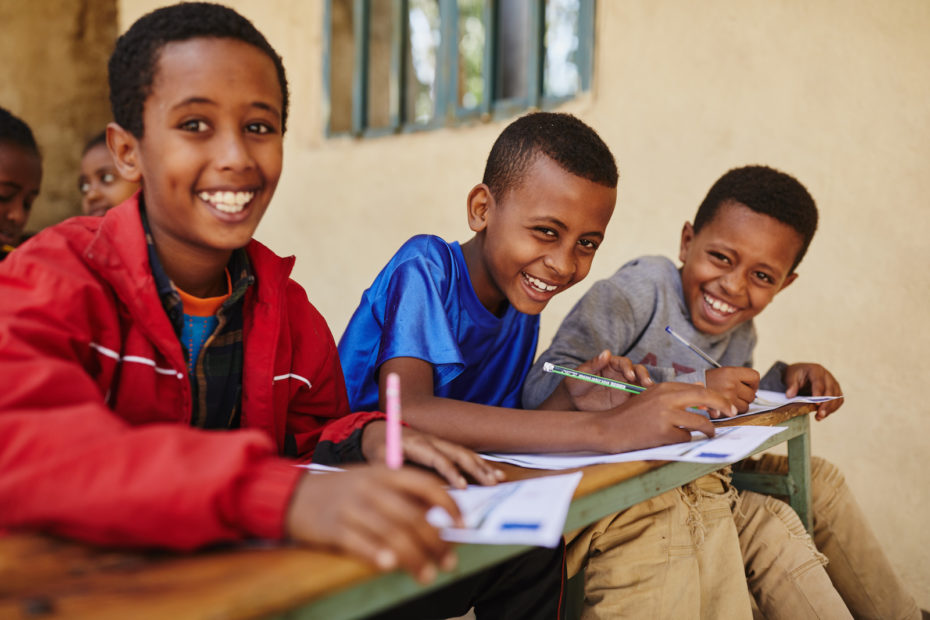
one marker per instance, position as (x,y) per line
(589,244)
(260,128)
(546,232)
(83,185)
(761,275)
(193,125)
(108,178)
(719,257)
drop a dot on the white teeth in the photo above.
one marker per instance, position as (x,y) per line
(227,202)
(719,306)
(539,284)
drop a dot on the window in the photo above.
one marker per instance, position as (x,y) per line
(402,65)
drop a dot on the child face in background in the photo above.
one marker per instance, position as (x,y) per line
(538,239)
(101,185)
(20,178)
(734,266)
(211,153)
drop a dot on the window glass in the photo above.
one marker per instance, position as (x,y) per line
(341,66)
(561,74)
(422,61)
(472,35)
(513,34)
(381,30)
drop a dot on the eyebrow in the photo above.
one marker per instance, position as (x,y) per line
(206,100)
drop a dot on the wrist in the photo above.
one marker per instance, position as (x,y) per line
(373,437)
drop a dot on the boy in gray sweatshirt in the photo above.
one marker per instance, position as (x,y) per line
(748,237)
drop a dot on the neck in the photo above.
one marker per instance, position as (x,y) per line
(198,273)
(486,291)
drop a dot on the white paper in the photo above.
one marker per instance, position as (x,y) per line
(525,512)
(768,401)
(730,444)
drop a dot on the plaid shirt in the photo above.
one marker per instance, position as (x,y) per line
(216,385)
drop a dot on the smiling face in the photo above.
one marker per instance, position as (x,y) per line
(20,177)
(734,266)
(210,156)
(538,239)
(101,185)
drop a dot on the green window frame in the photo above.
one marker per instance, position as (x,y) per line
(371,79)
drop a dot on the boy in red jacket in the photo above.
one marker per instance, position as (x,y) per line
(125,340)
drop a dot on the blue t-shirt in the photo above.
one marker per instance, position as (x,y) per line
(423,305)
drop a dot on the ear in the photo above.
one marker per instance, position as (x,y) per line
(480,203)
(687,236)
(791,278)
(124,147)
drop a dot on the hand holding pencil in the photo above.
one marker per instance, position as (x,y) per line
(589,394)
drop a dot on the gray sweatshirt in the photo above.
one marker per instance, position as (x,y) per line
(627,314)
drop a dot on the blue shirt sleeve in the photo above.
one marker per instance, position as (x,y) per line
(406,312)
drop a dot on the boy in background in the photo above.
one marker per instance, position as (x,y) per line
(127,341)
(100,183)
(20,179)
(748,237)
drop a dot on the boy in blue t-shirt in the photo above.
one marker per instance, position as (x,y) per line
(459,323)
(748,237)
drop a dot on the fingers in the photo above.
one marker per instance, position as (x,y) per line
(626,370)
(695,422)
(596,364)
(397,529)
(449,459)
(376,514)
(683,395)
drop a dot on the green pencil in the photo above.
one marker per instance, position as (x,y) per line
(583,376)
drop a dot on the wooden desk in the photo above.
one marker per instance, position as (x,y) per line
(43,577)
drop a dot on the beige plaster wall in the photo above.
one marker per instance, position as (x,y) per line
(834,92)
(54,77)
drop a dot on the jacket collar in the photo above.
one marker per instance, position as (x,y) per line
(119,254)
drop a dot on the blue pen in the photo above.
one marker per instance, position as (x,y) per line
(703,355)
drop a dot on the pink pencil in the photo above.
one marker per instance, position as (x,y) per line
(395,454)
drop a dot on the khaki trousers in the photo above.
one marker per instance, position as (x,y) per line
(785,573)
(676,555)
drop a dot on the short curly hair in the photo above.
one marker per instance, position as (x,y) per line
(135,59)
(14,130)
(574,146)
(767,191)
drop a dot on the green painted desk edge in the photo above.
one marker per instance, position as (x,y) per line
(367,598)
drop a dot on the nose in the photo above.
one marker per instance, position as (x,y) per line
(233,152)
(733,282)
(17,213)
(561,260)
(91,196)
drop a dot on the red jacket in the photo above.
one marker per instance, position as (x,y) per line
(95,403)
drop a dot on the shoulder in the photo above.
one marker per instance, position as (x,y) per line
(59,249)
(429,249)
(423,257)
(643,276)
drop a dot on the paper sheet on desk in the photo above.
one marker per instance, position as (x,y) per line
(730,444)
(767,401)
(525,512)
